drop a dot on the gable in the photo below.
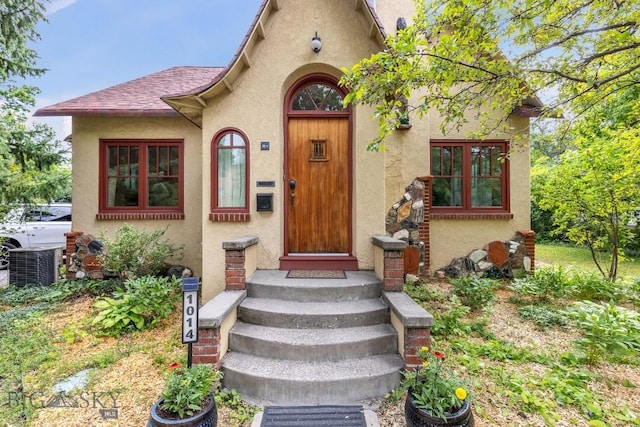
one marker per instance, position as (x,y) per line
(191,104)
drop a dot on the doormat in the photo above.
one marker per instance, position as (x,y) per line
(313,416)
(316,274)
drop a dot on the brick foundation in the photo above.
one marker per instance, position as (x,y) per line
(424,228)
(235,274)
(70,249)
(414,339)
(207,349)
(530,246)
(393,270)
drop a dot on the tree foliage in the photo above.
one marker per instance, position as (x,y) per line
(32,166)
(490,58)
(594,189)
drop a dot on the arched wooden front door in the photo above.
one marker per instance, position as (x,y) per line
(317,202)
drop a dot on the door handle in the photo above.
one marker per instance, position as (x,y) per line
(292,184)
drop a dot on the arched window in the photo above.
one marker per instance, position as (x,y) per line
(230,152)
(317,97)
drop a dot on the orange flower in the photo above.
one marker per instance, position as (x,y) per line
(439,355)
(174,365)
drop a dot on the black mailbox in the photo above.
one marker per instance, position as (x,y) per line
(265,202)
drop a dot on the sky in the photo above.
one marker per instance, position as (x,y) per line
(90,45)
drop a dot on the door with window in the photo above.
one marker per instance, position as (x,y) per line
(317,171)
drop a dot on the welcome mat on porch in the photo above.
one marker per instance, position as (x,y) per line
(313,416)
(316,274)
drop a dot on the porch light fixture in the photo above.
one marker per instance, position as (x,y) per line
(316,43)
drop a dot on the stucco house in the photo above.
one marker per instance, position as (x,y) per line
(257,165)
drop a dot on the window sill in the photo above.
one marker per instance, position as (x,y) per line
(471,215)
(139,215)
(229,216)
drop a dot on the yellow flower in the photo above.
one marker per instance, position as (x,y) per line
(425,363)
(461,393)
(425,349)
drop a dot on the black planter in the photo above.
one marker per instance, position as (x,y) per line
(417,417)
(208,417)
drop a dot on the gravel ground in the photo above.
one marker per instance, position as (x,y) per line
(136,377)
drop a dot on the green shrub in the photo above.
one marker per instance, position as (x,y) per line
(595,287)
(141,304)
(421,292)
(449,321)
(547,285)
(135,253)
(543,316)
(607,330)
(474,292)
(187,388)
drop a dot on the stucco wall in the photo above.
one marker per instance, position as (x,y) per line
(256,106)
(87,131)
(454,238)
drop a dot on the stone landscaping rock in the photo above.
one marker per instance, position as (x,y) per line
(496,260)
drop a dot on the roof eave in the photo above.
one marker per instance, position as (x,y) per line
(191,104)
(44,112)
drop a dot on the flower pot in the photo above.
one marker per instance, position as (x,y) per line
(207,417)
(417,417)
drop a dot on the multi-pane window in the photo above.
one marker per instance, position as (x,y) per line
(230,149)
(141,175)
(469,175)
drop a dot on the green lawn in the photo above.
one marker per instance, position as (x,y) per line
(580,258)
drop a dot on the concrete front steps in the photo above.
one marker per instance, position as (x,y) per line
(312,341)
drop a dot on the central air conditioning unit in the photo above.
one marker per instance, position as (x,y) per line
(34,265)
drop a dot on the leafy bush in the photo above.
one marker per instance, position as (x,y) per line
(187,388)
(543,316)
(449,321)
(607,330)
(421,292)
(595,287)
(547,285)
(474,292)
(134,253)
(142,303)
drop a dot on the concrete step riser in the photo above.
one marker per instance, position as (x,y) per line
(313,351)
(312,321)
(351,292)
(286,392)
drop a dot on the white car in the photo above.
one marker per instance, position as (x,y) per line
(34,226)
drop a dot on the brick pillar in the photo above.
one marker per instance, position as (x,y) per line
(207,349)
(530,246)
(235,273)
(414,339)
(424,228)
(70,249)
(393,270)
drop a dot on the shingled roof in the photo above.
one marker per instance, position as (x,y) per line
(139,97)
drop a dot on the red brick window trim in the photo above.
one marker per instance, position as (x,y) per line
(141,215)
(473,216)
(229,217)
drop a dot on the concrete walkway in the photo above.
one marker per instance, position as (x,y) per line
(4,278)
